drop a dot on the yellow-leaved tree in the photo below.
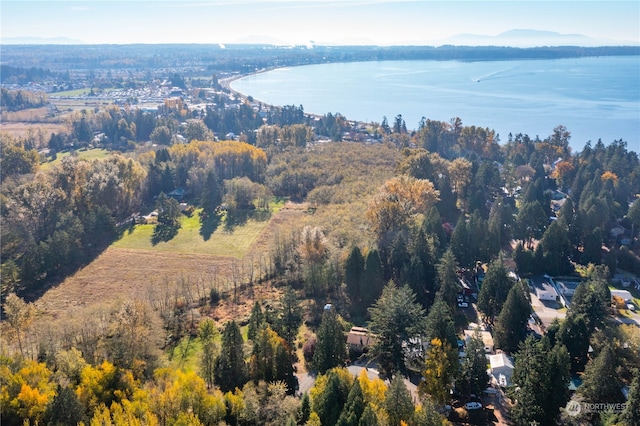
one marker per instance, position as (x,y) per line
(440,367)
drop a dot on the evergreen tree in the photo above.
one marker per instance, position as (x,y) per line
(65,409)
(528,377)
(600,382)
(557,249)
(523,259)
(557,377)
(432,225)
(331,347)
(397,320)
(369,417)
(495,289)
(353,275)
(230,367)
(631,413)
(473,377)
(270,359)
(538,266)
(593,298)
(420,272)
(398,402)
(212,193)
(462,243)
(448,283)
(329,403)
(372,279)
(305,409)
(427,415)
(289,317)
(354,407)
(574,334)
(499,225)
(592,248)
(511,325)
(531,222)
(440,324)
(256,319)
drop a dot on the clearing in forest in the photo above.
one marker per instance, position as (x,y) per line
(217,239)
(122,273)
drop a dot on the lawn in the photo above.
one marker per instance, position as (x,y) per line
(186,354)
(75,92)
(234,242)
(83,154)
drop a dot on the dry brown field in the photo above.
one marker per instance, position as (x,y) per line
(120,274)
(21,129)
(19,123)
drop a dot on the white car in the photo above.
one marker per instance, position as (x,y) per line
(473,405)
(463,305)
(631,307)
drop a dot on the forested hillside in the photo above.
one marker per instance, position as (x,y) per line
(389,226)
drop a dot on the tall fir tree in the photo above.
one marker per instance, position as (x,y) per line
(290,317)
(600,381)
(440,324)
(473,377)
(448,285)
(353,276)
(398,321)
(256,319)
(494,291)
(398,403)
(631,413)
(230,368)
(331,347)
(511,326)
(354,407)
(373,279)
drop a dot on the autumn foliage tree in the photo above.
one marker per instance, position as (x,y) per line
(396,206)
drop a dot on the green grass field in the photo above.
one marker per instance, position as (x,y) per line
(83,154)
(222,242)
(186,354)
(75,92)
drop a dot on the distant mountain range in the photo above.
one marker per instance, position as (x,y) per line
(39,40)
(511,38)
(529,38)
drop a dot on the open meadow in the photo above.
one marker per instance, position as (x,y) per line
(132,268)
(191,238)
(83,154)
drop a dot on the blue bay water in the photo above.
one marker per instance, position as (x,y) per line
(595,98)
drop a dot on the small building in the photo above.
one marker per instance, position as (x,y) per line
(487,339)
(567,288)
(501,369)
(545,290)
(359,339)
(622,294)
(177,194)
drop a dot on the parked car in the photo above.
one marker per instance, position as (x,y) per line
(473,405)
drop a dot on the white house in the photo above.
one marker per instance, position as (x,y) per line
(487,339)
(501,369)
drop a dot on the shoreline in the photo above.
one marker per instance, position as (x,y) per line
(225,83)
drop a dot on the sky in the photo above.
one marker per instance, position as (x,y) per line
(379,22)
